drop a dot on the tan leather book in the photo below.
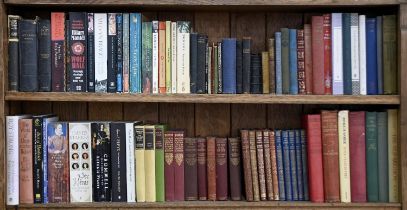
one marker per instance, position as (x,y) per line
(26,161)
(253,163)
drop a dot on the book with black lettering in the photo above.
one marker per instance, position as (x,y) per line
(91,53)
(201,64)
(256,81)
(239,67)
(118,161)
(111,53)
(101,166)
(44,55)
(78,55)
(28,57)
(13,61)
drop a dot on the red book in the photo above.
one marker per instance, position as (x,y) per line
(211,167)
(202,178)
(308,58)
(247,168)
(178,166)
(301,62)
(169,165)
(327,54)
(161,57)
(318,55)
(314,150)
(221,169)
(357,156)
(330,152)
(58,67)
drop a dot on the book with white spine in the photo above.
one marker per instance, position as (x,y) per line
(100,21)
(354,43)
(173,57)
(183,78)
(155,56)
(130,163)
(337,58)
(362,54)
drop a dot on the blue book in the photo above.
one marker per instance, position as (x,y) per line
(304,159)
(45,122)
(287,166)
(135,52)
(346,52)
(119,25)
(379,41)
(371,56)
(293,62)
(279,79)
(298,156)
(229,65)
(280,164)
(293,164)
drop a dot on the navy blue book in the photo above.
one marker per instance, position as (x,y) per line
(239,67)
(293,62)
(371,56)
(304,164)
(280,164)
(119,25)
(293,164)
(298,156)
(287,166)
(346,47)
(193,64)
(229,65)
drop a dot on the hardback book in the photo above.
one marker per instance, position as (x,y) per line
(100,21)
(315,162)
(254,166)
(246,52)
(239,65)
(149,163)
(139,137)
(90,52)
(272,64)
(13,61)
(390,54)
(220,69)
(159,162)
(293,165)
(126,55)
(327,53)
(221,153)
(161,57)
(78,54)
(394,167)
(308,58)
(235,168)
(357,147)
(285,60)
(301,62)
(179,190)
(183,79)
(267,165)
(67,54)
(304,159)
(293,71)
(146,57)
(330,152)
(193,45)
(298,164)
(58,162)
(111,53)
(285,143)
(47,120)
(173,57)
(25,158)
(168,71)
(119,64)
(279,80)
(202,175)
(137,64)
(44,55)
(317,35)
(215,73)
(256,81)
(201,67)
(80,162)
(101,165)
(337,60)
(280,165)
(362,54)
(12,155)
(169,165)
(265,72)
(347,53)
(344,159)
(354,45)
(211,167)
(229,65)
(260,164)
(28,55)
(155,55)
(379,55)
(191,169)
(208,68)
(247,169)
(371,56)
(58,68)
(273,160)
(382,157)
(118,161)
(372,180)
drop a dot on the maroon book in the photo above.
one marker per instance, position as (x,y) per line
(318,55)
(221,169)
(169,165)
(179,194)
(235,168)
(191,170)
(308,58)
(327,54)
(247,168)
(202,178)
(211,167)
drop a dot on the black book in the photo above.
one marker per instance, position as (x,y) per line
(246,45)
(193,39)
(256,81)
(13,52)
(91,53)
(44,53)
(77,48)
(101,166)
(118,161)
(28,57)
(202,70)
(119,75)
(68,56)
(239,67)
(111,53)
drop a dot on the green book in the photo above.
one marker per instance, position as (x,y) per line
(159,162)
(382,157)
(372,180)
(285,59)
(146,57)
(389,54)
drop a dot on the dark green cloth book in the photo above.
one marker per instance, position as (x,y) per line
(285,59)
(372,180)
(382,157)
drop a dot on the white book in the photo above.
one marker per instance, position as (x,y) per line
(337,57)
(344,163)
(12,154)
(174,57)
(354,44)
(80,162)
(155,56)
(100,21)
(130,163)
(183,78)
(362,54)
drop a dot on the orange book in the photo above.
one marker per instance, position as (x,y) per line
(161,57)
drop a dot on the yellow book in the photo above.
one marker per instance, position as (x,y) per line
(266,71)
(149,163)
(393,152)
(140,172)
(168,56)
(344,164)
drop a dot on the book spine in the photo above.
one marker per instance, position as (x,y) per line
(293,62)
(298,164)
(202,175)
(280,165)
(221,151)
(38,159)
(244,135)
(220,63)
(174,57)
(274,171)
(161,57)
(293,164)
(308,58)
(229,66)
(147,58)
(149,163)
(28,55)
(246,45)
(159,163)
(239,65)
(68,55)
(337,60)
(78,54)
(285,145)
(254,166)
(372,180)
(256,82)
(379,55)
(390,54)
(265,72)
(304,159)
(45,158)
(362,54)
(235,168)
(119,74)
(26,180)
(169,165)
(279,80)
(168,69)
(211,167)
(139,136)
(327,53)
(58,67)
(197,66)
(126,53)
(260,164)
(137,50)
(209,70)
(118,153)
(130,161)
(285,60)
(371,56)
(347,53)
(13,61)
(382,156)
(344,160)
(191,170)
(111,53)
(318,58)
(44,55)
(179,193)
(91,53)
(183,76)
(354,43)
(100,52)
(301,62)
(272,64)
(394,161)
(267,164)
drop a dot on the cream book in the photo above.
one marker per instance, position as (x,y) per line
(344,164)
(173,57)
(183,79)
(139,136)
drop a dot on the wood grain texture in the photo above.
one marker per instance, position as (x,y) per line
(178,116)
(105,111)
(251,116)
(276,20)
(250,25)
(71,111)
(212,120)
(36,107)
(214,24)
(13,107)
(284,116)
(176,16)
(147,112)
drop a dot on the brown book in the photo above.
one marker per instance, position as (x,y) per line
(273,161)
(26,161)
(266,72)
(211,167)
(301,62)
(272,65)
(330,153)
(235,168)
(190,169)
(253,164)
(161,57)
(267,165)
(260,165)
(202,178)
(221,169)
(318,55)
(247,169)
(308,58)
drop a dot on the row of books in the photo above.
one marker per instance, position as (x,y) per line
(339,53)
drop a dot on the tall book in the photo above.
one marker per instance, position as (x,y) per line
(390,54)
(327,53)
(155,55)
(372,180)
(118,161)
(347,53)
(382,157)
(293,165)
(287,165)
(272,64)
(173,57)
(179,182)
(379,55)
(130,162)
(47,120)
(193,45)
(139,137)
(235,168)
(183,79)
(362,54)
(246,47)
(191,170)
(267,164)
(137,64)
(285,60)
(119,64)
(111,53)
(168,58)
(304,159)
(279,79)
(301,62)
(78,54)
(221,169)
(273,160)
(161,57)
(13,61)
(298,164)
(254,165)
(219,67)
(293,72)
(280,165)
(25,151)
(211,167)
(159,162)
(100,52)
(308,58)
(146,58)
(201,65)
(58,68)
(265,72)
(344,159)
(169,165)
(371,56)
(28,55)
(80,163)
(44,55)
(91,53)
(354,45)
(202,175)
(126,53)
(317,34)
(229,65)
(247,173)
(239,65)
(394,164)
(149,163)
(337,61)
(260,164)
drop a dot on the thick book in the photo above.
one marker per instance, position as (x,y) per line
(168,69)
(146,59)
(293,71)
(372,170)
(362,54)
(379,53)
(382,157)
(201,66)
(280,165)
(119,40)
(44,55)
(126,54)
(254,166)
(118,161)
(317,36)
(111,53)
(25,158)
(202,176)
(80,162)
(78,54)
(337,60)
(308,58)
(13,61)
(394,161)
(235,168)
(298,164)
(256,81)
(247,170)
(100,21)
(47,120)
(173,57)
(193,45)
(301,62)
(265,72)
(221,153)
(267,164)
(279,80)
(260,165)
(285,145)
(329,127)
(211,167)
(246,52)
(139,137)
(191,170)
(155,55)
(159,162)
(58,162)
(344,159)
(304,159)
(239,65)
(354,45)
(229,65)
(58,68)
(101,165)
(90,49)
(130,161)
(371,56)
(179,192)
(161,57)
(183,76)
(327,53)
(169,165)
(273,160)
(285,60)
(149,163)
(390,54)
(137,64)
(293,164)
(357,156)
(347,53)
(28,55)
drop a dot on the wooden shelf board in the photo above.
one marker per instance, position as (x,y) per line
(204,98)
